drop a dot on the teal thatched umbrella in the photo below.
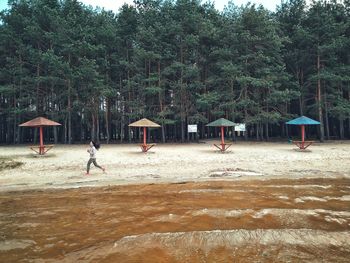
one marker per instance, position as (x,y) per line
(222,123)
(302,121)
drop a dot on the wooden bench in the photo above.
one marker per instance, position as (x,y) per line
(45,148)
(302,145)
(146,147)
(223,147)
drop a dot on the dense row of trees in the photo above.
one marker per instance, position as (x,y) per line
(175,62)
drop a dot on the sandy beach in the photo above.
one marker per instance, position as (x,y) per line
(64,166)
(259,202)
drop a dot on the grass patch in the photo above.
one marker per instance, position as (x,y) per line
(8,163)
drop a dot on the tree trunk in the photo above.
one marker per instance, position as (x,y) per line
(14,120)
(65,131)
(82,130)
(327,118)
(97,127)
(160,96)
(9,133)
(182,131)
(69,102)
(232,110)
(108,110)
(341,129)
(208,128)
(129,108)
(267,124)
(17,136)
(301,97)
(55,138)
(93,134)
(175,132)
(128,131)
(349,116)
(69,113)
(233,134)
(3,130)
(246,114)
(20,134)
(122,126)
(319,98)
(38,101)
(182,97)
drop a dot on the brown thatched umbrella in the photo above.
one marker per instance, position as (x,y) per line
(40,122)
(144,123)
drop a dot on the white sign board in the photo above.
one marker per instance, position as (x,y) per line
(240,127)
(192,128)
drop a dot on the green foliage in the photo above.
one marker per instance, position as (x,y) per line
(175,62)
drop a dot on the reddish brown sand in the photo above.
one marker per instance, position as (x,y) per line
(281,220)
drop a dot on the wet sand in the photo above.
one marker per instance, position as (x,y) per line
(282,220)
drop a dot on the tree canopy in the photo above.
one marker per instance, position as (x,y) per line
(175,62)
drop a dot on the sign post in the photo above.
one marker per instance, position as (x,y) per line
(240,127)
(192,128)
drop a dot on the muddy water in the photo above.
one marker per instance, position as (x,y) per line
(217,221)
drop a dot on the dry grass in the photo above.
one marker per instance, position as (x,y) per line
(8,163)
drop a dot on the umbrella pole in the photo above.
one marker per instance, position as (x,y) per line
(41,147)
(302,136)
(144,147)
(222,139)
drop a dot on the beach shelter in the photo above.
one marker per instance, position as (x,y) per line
(222,123)
(40,122)
(145,123)
(302,121)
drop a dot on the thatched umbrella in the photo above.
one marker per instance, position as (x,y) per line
(144,123)
(302,121)
(40,122)
(222,123)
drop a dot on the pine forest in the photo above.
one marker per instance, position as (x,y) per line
(176,63)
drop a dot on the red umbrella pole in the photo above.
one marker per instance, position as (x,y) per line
(222,139)
(41,147)
(144,137)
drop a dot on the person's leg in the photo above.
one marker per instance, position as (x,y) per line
(88,165)
(95,163)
